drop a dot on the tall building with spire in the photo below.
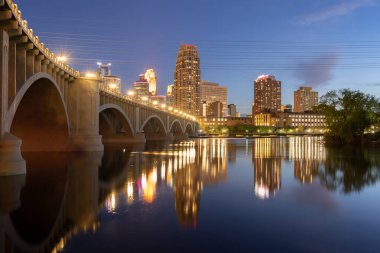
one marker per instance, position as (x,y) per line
(187,80)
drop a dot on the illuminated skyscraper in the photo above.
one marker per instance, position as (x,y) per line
(187,80)
(267,97)
(150,76)
(305,99)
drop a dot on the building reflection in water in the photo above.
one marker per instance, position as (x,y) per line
(308,154)
(266,156)
(61,196)
(186,167)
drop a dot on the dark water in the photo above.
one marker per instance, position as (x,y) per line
(215,195)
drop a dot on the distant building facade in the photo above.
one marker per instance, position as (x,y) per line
(225,121)
(304,99)
(267,94)
(211,92)
(141,87)
(264,119)
(170,95)
(187,80)
(159,98)
(286,108)
(112,82)
(232,110)
(290,119)
(294,119)
(215,109)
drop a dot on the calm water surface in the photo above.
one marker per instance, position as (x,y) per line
(208,195)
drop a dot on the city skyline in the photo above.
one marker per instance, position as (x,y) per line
(337,39)
(91,161)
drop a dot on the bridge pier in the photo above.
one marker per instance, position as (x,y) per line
(139,137)
(10,191)
(170,137)
(83,110)
(11,161)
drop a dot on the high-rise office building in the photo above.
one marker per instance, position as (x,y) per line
(232,110)
(141,87)
(267,97)
(187,80)
(211,92)
(304,99)
(170,95)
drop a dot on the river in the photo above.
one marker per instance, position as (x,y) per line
(200,195)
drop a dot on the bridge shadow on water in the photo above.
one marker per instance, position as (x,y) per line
(62,193)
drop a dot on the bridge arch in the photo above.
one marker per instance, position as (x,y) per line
(153,127)
(114,122)
(177,126)
(189,129)
(38,115)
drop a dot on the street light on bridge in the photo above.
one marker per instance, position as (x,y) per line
(90,74)
(112,86)
(62,58)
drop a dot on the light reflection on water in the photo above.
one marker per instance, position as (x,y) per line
(196,192)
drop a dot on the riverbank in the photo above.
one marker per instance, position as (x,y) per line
(366,139)
(258,135)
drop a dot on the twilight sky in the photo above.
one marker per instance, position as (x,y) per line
(326,44)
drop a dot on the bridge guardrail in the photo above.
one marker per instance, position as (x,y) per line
(158,106)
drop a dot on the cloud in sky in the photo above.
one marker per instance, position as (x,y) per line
(317,71)
(341,9)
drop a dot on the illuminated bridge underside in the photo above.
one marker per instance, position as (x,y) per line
(47,106)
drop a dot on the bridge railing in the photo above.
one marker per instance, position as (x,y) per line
(153,104)
(23,24)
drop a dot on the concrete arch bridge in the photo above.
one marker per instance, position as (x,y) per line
(47,106)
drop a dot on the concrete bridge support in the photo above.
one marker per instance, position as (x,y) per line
(83,110)
(11,161)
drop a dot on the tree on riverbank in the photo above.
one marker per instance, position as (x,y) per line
(348,114)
